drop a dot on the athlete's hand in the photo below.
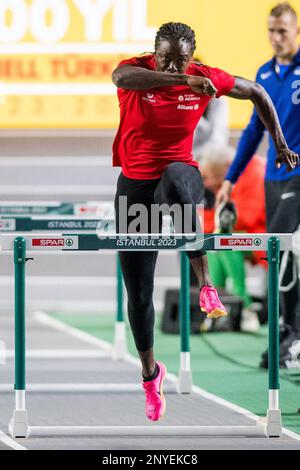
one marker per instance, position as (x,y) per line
(202,85)
(223,195)
(286,157)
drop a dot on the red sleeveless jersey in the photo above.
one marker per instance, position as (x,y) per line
(157,125)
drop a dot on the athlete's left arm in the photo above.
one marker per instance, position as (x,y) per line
(248,90)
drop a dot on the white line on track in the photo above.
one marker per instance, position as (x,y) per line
(60,354)
(47,320)
(8,441)
(59,325)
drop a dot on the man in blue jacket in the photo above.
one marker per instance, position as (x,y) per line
(281,79)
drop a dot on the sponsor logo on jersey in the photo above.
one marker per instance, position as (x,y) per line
(188,108)
(191,98)
(149,98)
(188,98)
(297,72)
(266,75)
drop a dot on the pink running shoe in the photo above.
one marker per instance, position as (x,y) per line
(210,302)
(155,400)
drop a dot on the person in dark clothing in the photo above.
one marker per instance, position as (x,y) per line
(280,78)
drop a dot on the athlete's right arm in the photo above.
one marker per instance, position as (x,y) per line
(138,78)
(249,141)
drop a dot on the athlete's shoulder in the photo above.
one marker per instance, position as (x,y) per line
(146,61)
(197,68)
(266,66)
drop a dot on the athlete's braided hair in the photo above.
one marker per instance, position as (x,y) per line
(177,31)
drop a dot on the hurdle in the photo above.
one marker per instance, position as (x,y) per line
(68,221)
(49,222)
(25,208)
(273,243)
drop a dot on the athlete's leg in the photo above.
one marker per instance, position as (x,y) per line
(182,184)
(138,272)
(138,269)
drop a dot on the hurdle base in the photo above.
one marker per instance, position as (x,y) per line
(119,349)
(145,431)
(273,423)
(18,425)
(185,382)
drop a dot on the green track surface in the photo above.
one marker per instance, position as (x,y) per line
(225,364)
